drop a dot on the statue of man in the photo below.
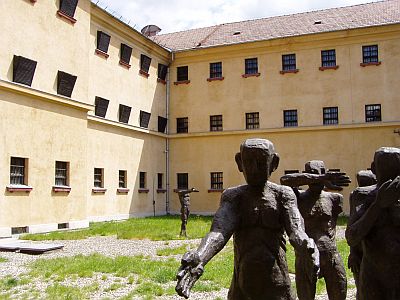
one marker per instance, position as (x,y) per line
(257,215)
(376,226)
(365,178)
(184,198)
(320,210)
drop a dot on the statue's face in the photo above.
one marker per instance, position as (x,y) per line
(256,166)
(387,165)
(315,167)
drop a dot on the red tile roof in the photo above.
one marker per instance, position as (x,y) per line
(327,20)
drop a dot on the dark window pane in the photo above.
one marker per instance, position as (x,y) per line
(183,181)
(17,171)
(217,182)
(101,106)
(331,115)
(145,62)
(289,62)
(126,53)
(61,177)
(216,123)
(23,70)
(290,118)
(142,180)
(251,66)
(328,58)
(373,113)
(182,125)
(68,7)
(159,180)
(144,119)
(182,73)
(162,124)
(370,53)
(216,70)
(124,113)
(98,177)
(103,41)
(162,71)
(122,179)
(65,83)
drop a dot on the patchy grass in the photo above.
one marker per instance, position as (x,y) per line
(62,292)
(153,228)
(173,251)
(342,220)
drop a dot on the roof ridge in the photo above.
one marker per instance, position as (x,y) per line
(279,16)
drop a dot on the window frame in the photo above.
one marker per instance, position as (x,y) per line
(61,173)
(374,116)
(330,117)
(145,63)
(98,178)
(216,70)
(67,9)
(288,118)
(252,120)
(216,123)
(18,171)
(289,63)
(251,68)
(182,125)
(328,58)
(368,54)
(122,179)
(182,74)
(162,71)
(182,181)
(217,181)
(142,180)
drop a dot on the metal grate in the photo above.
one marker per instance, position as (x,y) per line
(23,70)
(251,66)
(68,7)
(216,123)
(183,181)
(328,58)
(217,181)
(101,106)
(17,171)
(252,120)
(61,177)
(289,62)
(124,113)
(145,62)
(373,113)
(162,124)
(98,177)
(331,115)
(216,70)
(370,53)
(290,118)
(144,119)
(182,125)
(103,41)
(182,73)
(125,53)
(162,71)
(65,83)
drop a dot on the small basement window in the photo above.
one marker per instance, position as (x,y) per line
(101,106)
(144,119)
(124,113)
(23,70)
(65,83)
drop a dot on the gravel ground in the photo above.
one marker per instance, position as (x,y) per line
(109,246)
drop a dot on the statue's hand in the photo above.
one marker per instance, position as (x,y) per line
(389,193)
(354,262)
(335,180)
(189,272)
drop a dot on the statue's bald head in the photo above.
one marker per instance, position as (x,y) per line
(261,144)
(315,167)
(386,164)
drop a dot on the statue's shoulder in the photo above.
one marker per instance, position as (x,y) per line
(280,189)
(233,194)
(364,191)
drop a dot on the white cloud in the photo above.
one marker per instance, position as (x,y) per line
(176,15)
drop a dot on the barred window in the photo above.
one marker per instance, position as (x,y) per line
(216,70)
(216,123)
(252,120)
(125,54)
(61,176)
(101,106)
(331,115)
(17,171)
(217,182)
(160,180)
(370,54)
(251,66)
(182,125)
(290,118)
(68,7)
(373,113)
(122,179)
(182,73)
(328,58)
(103,41)
(288,62)
(162,71)
(183,181)
(124,113)
(142,180)
(98,178)
(23,70)
(65,83)
(144,119)
(145,62)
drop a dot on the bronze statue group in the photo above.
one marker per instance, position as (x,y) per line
(261,214)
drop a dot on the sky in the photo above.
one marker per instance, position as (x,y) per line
(178,15)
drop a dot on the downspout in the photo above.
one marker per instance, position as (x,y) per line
(167,140)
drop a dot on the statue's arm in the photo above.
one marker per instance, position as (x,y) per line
(299,179)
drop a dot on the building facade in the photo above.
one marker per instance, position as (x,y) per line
(102,123)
